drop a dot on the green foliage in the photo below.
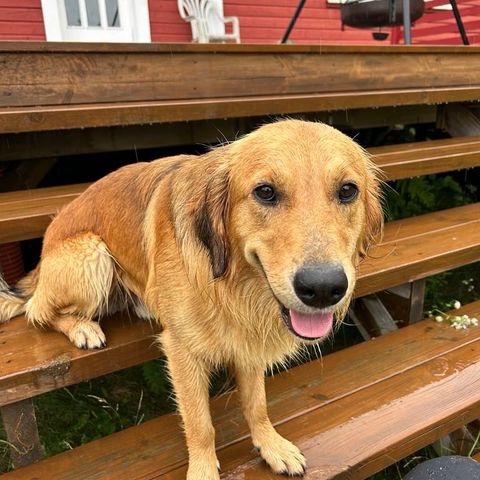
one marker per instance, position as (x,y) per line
(414,196)
(156,377)
(443,289)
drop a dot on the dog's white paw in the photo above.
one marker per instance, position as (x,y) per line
(87,335)
(203,470)
(283,457)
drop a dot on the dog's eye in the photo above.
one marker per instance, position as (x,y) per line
(347,192)
(265,194)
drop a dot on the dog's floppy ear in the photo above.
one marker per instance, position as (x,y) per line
(211,219)
(373,224)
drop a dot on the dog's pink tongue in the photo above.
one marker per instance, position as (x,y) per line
(311,326)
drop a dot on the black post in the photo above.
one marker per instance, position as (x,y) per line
(293,21)
(458,18)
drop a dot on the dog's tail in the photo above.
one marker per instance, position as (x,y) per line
(13,300)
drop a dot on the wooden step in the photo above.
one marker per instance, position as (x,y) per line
(89,115)
(26,214)
(34,361)
(418,247)
(423,158)
(352,414)
(412,249)
(224,81)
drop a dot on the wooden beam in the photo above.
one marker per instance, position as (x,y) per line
(459,120)
(31,119)
(20,426)
(54,143)
(66,86)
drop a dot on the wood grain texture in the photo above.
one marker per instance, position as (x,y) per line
(74,47)
(45,87)
(415,257)
(20,424)
(26,214)
(424,158)
(34,361)
(356,412)
(32,119)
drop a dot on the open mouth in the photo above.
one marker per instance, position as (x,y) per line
(307,326)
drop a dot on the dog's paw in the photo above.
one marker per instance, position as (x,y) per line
(203,470)
(283,457)
(87,335)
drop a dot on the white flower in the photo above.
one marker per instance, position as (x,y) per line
(439,318)
(457,304)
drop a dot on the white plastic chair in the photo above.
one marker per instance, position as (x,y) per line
(207,22)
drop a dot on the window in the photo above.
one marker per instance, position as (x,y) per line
(96,20)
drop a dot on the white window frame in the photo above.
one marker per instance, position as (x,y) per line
(53,13)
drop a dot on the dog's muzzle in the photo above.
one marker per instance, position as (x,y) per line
(317,286)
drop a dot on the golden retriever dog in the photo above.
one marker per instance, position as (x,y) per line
(243,255)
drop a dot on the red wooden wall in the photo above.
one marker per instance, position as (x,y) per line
(262,21)
(21,20)
(438,27)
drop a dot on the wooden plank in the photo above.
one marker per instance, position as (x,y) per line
(26,214)
(46,79)
(34,361)
(50,87)
(439,221)
(419,257)
(31,119)
(31,145)
(459,119)
(75,47)
(428,145)
(422,158)
(417,299)
(20,426)
(388,421)
(306,402)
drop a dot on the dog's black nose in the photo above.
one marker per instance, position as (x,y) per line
(320,285)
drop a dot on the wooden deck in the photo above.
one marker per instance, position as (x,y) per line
(49,86)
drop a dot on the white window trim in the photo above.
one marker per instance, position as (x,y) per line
(139,12)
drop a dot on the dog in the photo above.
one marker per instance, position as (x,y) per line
(243,255)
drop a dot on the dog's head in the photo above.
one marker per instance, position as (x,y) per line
(299,202)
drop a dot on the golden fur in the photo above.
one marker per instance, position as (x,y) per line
(184,242)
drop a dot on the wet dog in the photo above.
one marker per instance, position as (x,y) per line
(242,255)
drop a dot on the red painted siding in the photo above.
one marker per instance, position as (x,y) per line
(263,21)
(438,27)
(21,20)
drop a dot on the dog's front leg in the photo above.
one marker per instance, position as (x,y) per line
(190,377)
(282,456)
